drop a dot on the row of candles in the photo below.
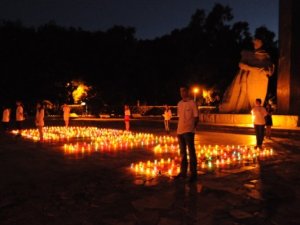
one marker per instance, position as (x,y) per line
(106,137)
(208,157)
(85,140)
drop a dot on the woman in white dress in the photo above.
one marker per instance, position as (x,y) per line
(39,119)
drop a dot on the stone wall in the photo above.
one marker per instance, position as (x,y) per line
(289,121)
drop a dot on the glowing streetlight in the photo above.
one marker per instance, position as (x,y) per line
(84,105)
(195,91)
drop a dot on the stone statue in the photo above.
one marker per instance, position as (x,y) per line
(251,81)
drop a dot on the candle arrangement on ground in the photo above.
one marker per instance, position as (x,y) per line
(92,139)
(56,133)
(209,158)
(86,140)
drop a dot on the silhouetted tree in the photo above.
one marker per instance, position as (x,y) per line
(37,62)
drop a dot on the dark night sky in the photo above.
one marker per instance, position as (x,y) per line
(151,18)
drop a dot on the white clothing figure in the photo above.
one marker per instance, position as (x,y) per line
(66,110)
(167,117)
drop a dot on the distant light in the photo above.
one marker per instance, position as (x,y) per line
(195,90)
(83,103)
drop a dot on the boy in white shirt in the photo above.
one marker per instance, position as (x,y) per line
(258,113)
(187,122)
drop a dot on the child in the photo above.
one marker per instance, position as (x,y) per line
(127,117)
(5,118)
(167,117)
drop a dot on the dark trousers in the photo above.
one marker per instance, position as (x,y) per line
(260,133)
(5,125)
(19,125)
(185,141)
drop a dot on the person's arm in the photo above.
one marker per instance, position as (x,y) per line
(170,114)
(246,67)
(243,66)
(196,121)
(196,116)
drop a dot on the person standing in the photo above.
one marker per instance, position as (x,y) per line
(19,117)
(39,120)
(5,118)
(258,113)
(167,117)
(269,120)
(127,115)
(66,114)
(187,122)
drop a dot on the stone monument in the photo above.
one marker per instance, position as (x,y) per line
(288,83)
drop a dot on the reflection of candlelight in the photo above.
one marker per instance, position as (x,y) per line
(86,140)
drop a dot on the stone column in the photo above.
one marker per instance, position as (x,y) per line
(288,83)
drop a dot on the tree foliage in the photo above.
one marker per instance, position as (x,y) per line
(36,63)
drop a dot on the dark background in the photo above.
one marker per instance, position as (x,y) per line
(36,63)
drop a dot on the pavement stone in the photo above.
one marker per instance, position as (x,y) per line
(41,185)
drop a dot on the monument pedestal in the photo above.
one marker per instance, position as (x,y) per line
(284,121)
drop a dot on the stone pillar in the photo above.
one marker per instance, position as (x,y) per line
(288,83)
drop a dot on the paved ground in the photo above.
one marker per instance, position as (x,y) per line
(41,185)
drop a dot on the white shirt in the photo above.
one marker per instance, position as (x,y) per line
(6,115)
(39,117)
(167,114)
(66,110)
(188,113)
(127,112)
(19,113)
(258,115)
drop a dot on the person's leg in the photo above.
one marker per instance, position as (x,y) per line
(166,125)
(268,131)
(260,134)
(256,134)
(19,127)
(190,137)
(40,129)
(127,125)
(183,154)
(66,122)
(5,126)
